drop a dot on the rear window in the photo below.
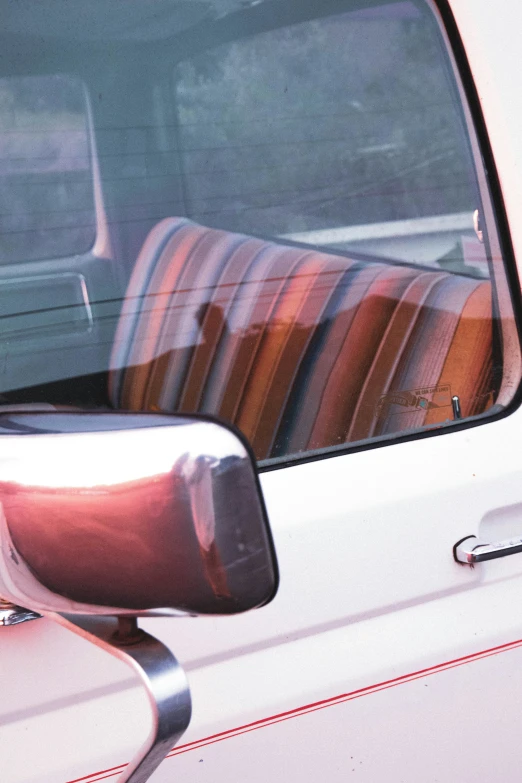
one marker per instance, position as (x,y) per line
(46,186)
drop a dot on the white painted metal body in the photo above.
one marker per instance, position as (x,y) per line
(380,659)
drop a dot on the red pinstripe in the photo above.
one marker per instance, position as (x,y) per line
(313,707)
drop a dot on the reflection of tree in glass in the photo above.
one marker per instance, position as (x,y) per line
(330,122)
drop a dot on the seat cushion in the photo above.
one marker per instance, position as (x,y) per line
(299,348)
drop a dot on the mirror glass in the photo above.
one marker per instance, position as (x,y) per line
(131,514)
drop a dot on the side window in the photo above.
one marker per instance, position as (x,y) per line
(301,232)
(46,184)
(369,311)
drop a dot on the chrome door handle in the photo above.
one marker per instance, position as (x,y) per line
(472,550)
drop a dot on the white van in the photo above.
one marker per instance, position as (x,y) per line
(260,350)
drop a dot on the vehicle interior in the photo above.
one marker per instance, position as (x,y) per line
(206,209)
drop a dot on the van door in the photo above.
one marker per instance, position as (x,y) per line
(333,273)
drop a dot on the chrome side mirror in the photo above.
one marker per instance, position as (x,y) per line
(130,515)
(120,514)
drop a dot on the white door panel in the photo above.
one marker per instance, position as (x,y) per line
(382,542)
(434,728)
(369,593)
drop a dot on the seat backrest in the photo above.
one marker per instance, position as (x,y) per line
(298,348)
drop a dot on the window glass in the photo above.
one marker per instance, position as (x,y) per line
(298,234)
(46,188)
(340,132)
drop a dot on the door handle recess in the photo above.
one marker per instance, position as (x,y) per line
(471,550)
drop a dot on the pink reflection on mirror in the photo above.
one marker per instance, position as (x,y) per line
(150,520)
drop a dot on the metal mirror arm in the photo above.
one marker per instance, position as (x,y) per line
(162,676)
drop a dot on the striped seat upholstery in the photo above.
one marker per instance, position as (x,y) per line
(300,349)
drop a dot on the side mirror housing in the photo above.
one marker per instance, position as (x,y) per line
(131,514)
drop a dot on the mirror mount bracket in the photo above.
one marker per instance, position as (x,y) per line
(11,614)
(162,676)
